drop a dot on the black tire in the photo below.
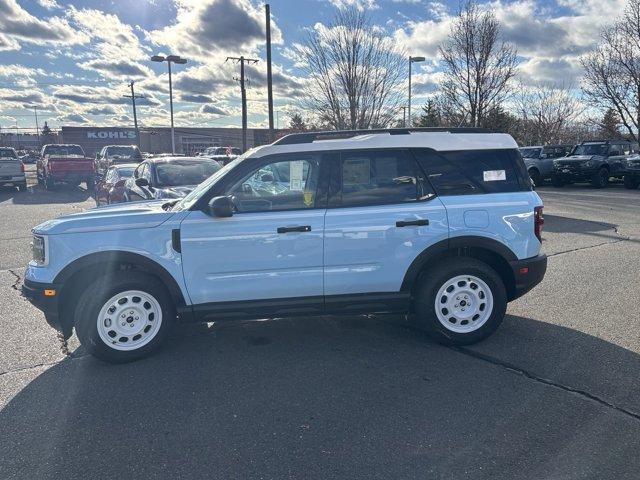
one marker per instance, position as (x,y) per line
(600,179)
(22,187)
(425,298)
(557,181)
(39,178)
(535,177)
(93,299)
(91,185)
(630,182)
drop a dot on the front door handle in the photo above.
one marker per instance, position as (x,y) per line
(301,228)
(410,223)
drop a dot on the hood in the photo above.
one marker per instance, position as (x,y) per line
(173,192)
(119,216)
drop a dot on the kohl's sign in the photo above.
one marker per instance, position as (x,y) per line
(117,134)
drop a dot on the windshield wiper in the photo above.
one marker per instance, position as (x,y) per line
(169,205)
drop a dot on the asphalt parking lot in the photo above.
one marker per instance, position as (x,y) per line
(554,394)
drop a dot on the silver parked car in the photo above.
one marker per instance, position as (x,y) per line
(539,160)
(12,169)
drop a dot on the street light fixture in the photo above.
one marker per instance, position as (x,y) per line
(411,60)
(180,61)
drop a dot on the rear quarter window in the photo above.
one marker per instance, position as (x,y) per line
(474,171)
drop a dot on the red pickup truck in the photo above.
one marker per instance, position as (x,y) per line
(61,163)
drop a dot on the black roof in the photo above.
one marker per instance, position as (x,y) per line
(308,137)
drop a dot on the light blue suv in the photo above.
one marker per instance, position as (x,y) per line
(440,223)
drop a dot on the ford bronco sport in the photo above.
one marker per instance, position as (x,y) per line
(442,224)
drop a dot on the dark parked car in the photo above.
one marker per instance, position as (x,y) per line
(168,177)
(593,161)
(539,160)
(116,154)
(110,188)
(222,155)
(632,172)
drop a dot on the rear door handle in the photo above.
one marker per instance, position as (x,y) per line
(411,223)
(301,228)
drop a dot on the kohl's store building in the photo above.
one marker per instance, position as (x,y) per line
(189,141)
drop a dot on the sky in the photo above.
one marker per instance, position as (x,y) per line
(73,60)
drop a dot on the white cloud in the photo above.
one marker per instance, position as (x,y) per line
(49,4)
(18,25)
(205,29)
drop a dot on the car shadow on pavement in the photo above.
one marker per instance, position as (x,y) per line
(333,398)
(559,224)
(37,195)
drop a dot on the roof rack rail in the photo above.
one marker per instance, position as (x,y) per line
(309,137)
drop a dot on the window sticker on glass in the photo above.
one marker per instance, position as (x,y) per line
(308,199)
(295,176)
(356,171)
(494,175)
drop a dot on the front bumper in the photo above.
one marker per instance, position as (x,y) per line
(574,174)
(49,305)
(528,273)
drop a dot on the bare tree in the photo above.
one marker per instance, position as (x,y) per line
(612,71)
(546,112)
(478,65)
(355,73)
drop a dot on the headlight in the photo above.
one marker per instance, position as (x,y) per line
(39,250)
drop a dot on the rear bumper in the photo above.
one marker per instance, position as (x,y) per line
(72,177)
(34,292)
(528,273)
(12,180)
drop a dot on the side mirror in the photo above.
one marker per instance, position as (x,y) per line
(142,182)
(221,207)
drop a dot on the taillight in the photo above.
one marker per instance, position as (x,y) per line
(538,221)
(22,167)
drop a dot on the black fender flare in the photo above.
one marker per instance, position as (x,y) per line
(438,249)
(114,257)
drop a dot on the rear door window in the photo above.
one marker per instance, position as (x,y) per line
(474,171)
(378,178)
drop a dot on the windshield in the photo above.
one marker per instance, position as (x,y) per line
(530,152)
(591,149)
(7,153)
(124,152)
(64,150)
(184,172)
(202,188)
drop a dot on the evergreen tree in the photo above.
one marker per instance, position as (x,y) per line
(609,126)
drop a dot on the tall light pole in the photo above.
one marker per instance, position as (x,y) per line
(180,61)
(411,60)
(133,97)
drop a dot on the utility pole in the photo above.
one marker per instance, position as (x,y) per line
(267,11)
(404,115)
(241,60)
(133,97)
(35,111)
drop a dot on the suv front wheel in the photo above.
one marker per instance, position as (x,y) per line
(124,316)
(460,302)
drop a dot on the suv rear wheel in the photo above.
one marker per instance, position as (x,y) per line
(460,302)
(631,182)
(124,316)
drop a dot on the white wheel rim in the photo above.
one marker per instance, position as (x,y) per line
(464,303)
(129,320)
